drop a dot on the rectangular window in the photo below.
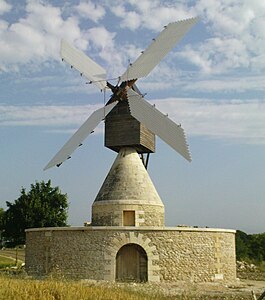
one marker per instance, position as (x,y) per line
(128,218)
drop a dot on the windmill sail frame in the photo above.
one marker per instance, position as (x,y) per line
(127,91)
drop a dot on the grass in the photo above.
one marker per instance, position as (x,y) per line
(9,257)
(22,287)
(53,289)
(261,266)
(6,262)
(14,253)
(25,288)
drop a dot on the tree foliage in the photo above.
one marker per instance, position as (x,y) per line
(2,213)
(250,246)
(42,206)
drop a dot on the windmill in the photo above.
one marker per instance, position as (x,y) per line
(130,121)
(127,239)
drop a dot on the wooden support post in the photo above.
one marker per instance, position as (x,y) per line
(262,296)
(16,257)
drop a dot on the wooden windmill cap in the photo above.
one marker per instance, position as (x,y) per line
(128,180)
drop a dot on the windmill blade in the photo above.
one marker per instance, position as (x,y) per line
(158,123)
(158,49)
(85,65)
(135,88)
(79,136)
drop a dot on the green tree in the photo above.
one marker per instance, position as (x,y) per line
(2,214)
(42,206)
(250,246)
(258,246)
(243,242)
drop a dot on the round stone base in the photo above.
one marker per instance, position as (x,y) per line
(151,254)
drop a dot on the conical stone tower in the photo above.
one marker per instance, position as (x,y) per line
(128,196)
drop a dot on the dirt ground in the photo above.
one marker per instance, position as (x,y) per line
(240,289)
(250,279)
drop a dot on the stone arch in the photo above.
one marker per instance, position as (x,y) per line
(131,238)
(131,264)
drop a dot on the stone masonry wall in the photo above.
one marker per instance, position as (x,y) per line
(111,214)
(195,256)
(173,253)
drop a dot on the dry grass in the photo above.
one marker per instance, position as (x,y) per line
(20,287)
(53,289)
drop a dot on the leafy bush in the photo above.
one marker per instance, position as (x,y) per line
(250,246)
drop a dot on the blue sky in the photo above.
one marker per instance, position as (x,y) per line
(212,83)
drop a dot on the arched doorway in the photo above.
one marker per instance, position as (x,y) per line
(131,263)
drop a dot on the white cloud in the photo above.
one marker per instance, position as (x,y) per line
(218,55)
(36,37)
(228,16)
(228,84)
(233,120)
(91,10)
(11,115)
(101,37)
(237,39)
(166,78)
(114,57)
(235,27)
(4,7)
(149,14)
